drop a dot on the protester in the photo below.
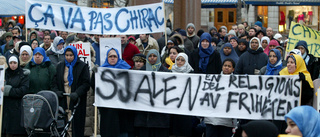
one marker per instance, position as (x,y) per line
(191,34)
(221,127)
(272,44)
(309,59)
(252,61)
(264,43)
(170,61)
(128,50)
(145,43)
(139,61)
(205,59)
(181,125)
(47,44)
(34,43)
(260,34)
(242,47)
(274,65)
(303,121)
(73,78)
(96,47)
(25,55)
(296,66)
(187,43)
(56,53)
(182,65)
(151,124)
(115,122)
(234,41)
(228,51)
(259,129)
(41,71)
(33,35)
(16,86)
(282,51)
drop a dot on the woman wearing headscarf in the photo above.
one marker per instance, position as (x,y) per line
(272,44)
(274,65)
(242,47)
(259,129)
(25,55)
(283,54)
(227,51)
(182,65)
(205,59)
(41,71)
(73,78)
(303,121)
(34,43)
(296,66)
(116,122)
(310,61)
(252,61)
(55,54)
(17,85)
(152,124)
(181,125)
(264,43)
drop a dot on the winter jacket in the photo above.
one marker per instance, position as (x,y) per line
(80,85)
(129,51)
(251,60)
(55,58)
(152,44)
(195,40)
(214,65)
(12,102)
(41,76)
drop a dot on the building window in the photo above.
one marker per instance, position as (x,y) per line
(220,16)
(211,16)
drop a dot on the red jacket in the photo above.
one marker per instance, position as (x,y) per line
(129,52)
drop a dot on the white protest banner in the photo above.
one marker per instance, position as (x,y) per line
(228,96)
(127,20)
(106,44)
(2,70)
(84,53)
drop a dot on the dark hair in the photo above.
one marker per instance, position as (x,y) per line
(179,50)
(16,28)
(255,30)
(69,49)
(231,60)
(220,29)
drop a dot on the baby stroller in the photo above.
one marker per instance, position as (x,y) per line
(41,114)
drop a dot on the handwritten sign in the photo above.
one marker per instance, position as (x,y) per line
(106,44)
(299,32)
(84,53)
(127,20)
(228,96)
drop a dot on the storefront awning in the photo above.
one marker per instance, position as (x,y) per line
(283,2)
(209,1)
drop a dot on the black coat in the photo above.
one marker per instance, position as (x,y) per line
(80,85)
(251,60)
(214,65)
(313,67)
(12,103)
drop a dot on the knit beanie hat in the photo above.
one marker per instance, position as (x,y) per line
(232,32)
(258,23)
(191,25)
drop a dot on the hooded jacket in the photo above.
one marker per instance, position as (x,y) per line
(251,60)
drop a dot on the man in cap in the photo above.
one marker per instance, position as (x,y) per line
(191,29)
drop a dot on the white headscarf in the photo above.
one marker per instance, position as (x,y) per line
(260,46)
(186,68)
(265,38)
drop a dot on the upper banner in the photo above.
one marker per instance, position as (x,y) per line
(127,20)
(300,32)
(228,96)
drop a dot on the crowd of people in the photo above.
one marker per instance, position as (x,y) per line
(43,60)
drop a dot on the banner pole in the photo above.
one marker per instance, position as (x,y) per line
(1,109)
(165,25)
(95,120)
